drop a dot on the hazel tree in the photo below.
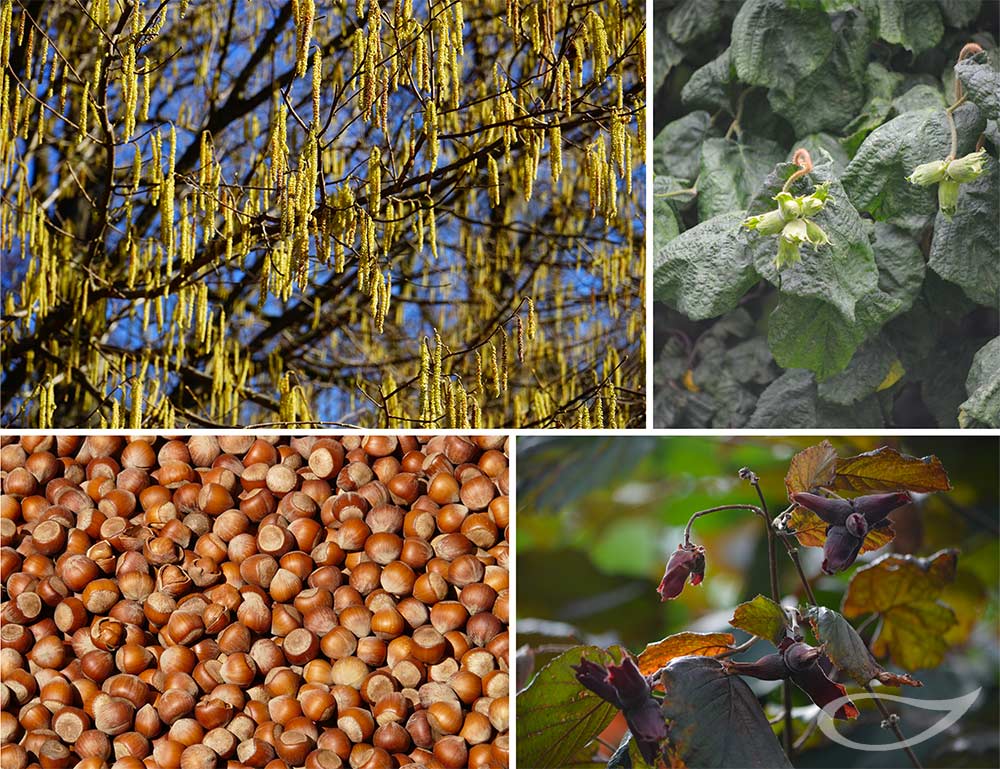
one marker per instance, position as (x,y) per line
(418,215)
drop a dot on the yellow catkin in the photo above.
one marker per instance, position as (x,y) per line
(424,379)
(84,111)
(494,181)
(375,181)
(431,130)
(317,84)
(305,13)
(432,229)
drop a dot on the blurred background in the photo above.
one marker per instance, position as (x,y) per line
(598,517)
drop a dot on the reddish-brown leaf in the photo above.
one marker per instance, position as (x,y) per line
(658,654)
(885,469)
(811,468)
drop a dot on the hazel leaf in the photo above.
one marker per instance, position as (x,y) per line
(811,468)
(557,716)
(848,651)
(885,469)
(715,719)
(761,617)
(658,654)
(904,589)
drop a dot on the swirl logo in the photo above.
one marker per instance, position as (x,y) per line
(955,709)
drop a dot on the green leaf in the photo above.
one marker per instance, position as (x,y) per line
(788,402)
(885,469)
(809,333)
(915,24)
(903,589)
(964,249)
(983,386)
(704,271)
(710,87)
(921,96)
(900,263)
(958,13)
(761,617)
(556,715)
(867,370)
(832,95)
(777,46)
(848,651)
(731,172)
(665,224)
(677,148)
(666,53)
(981,81)
(876,181)
(715,719)
(693,19)
(659,653)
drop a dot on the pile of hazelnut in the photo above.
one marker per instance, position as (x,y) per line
(240,600)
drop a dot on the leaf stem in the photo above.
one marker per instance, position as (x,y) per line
(738,649)
(793,553)
(674,193)
(751,476)
(803,160)
(891,720)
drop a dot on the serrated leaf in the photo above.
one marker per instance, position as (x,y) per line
(885,469)
(830,96)
(775,46)
(710,87)
(666,53)
(811,468)
(761,617)
(964,249)
(665,224)
(981,82)
(731,172)
(715,719)
(658,654)
(692,19)
(922,96)
(677,148)
(983,387)
(903,589)
(868,369)
(916,24)
(901,265)
(704,271)
(809,333)
(958,13)
(875,180)
(848,651)
(788,402)
(556,715)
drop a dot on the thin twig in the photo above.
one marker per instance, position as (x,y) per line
(891,720)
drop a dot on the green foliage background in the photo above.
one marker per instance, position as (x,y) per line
(895,323)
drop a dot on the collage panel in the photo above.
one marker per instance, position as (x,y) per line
(397,215)
(238,600)
(755,601)
(825,209)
